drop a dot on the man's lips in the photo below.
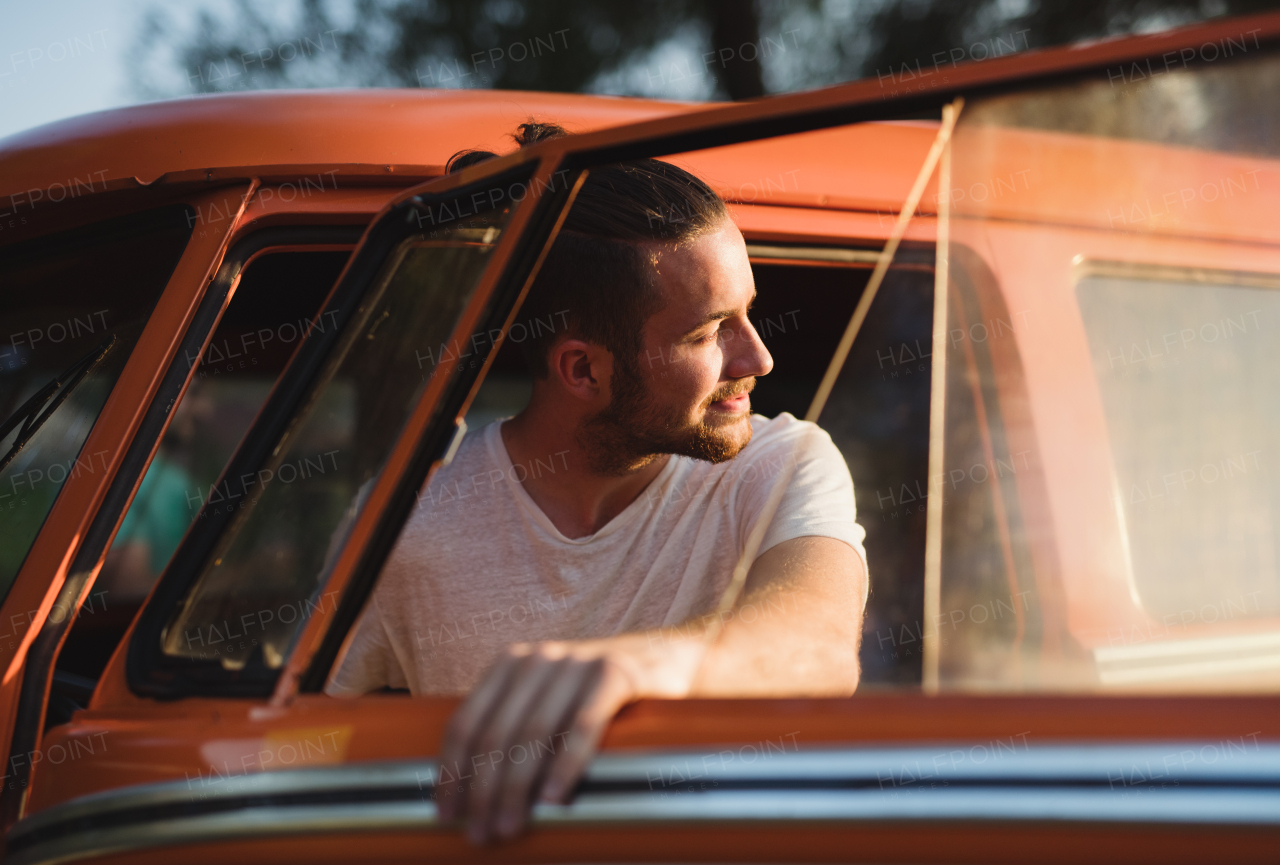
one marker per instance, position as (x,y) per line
(736,403)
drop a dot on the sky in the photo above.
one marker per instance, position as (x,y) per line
(60,58)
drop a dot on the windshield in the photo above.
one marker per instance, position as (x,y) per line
(75,305)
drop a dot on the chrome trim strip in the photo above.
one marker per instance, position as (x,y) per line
(1092,267)
(262,822)
(352,778)
(927,805)
(1215,667)
(1184,650)
(993,805)
(1226,783)
(1009,761)
(814,253)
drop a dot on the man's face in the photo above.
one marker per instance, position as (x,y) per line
(687,393)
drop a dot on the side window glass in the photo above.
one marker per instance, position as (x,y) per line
(263,579)
(273,307)
(1110,413)
(878,416)
(74,306)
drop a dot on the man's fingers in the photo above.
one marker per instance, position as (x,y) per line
(610,691)
(462,730)
(543,734)
(492,747)
(532,724)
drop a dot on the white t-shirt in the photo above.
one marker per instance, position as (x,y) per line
(479,566)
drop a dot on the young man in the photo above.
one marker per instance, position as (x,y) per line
(573,558)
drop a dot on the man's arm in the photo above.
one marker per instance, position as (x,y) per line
(794,631)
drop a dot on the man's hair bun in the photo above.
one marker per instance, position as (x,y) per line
(526,135)
(531,133)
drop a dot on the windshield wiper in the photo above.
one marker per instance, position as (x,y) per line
(32,414)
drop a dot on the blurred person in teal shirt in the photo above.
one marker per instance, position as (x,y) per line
(166,503)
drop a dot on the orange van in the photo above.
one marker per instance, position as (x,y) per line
(1040,330)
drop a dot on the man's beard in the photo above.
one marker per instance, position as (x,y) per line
(633,430)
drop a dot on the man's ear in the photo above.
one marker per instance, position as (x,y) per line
(582,368)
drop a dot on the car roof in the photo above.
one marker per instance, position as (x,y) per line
(410,134)
(405,126)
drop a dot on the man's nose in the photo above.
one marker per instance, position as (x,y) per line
(747,354)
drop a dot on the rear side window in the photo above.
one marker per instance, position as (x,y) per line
(1188,368)
(74,305)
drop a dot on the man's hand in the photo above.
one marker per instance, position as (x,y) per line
(531,726)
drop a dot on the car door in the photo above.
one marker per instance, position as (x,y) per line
(98,296)
(1050,766)
(158,268)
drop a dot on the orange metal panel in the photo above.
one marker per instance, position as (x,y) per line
(864,166)
(212,743)
(401,137)
(416,127)
(801,225)
(1115,184)
(294,203)
(751,842)
(1068,428)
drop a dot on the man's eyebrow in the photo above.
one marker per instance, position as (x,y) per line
(718,316)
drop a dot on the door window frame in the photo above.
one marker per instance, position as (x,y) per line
(149,672)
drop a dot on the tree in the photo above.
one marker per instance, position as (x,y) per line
(619,47)
(559,45)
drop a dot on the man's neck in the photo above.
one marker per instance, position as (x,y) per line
(577,501)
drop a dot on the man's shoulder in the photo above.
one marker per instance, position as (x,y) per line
(471,477)
(785,446)
(785,433)
(474,452)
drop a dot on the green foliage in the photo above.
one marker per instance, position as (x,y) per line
(661,48)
